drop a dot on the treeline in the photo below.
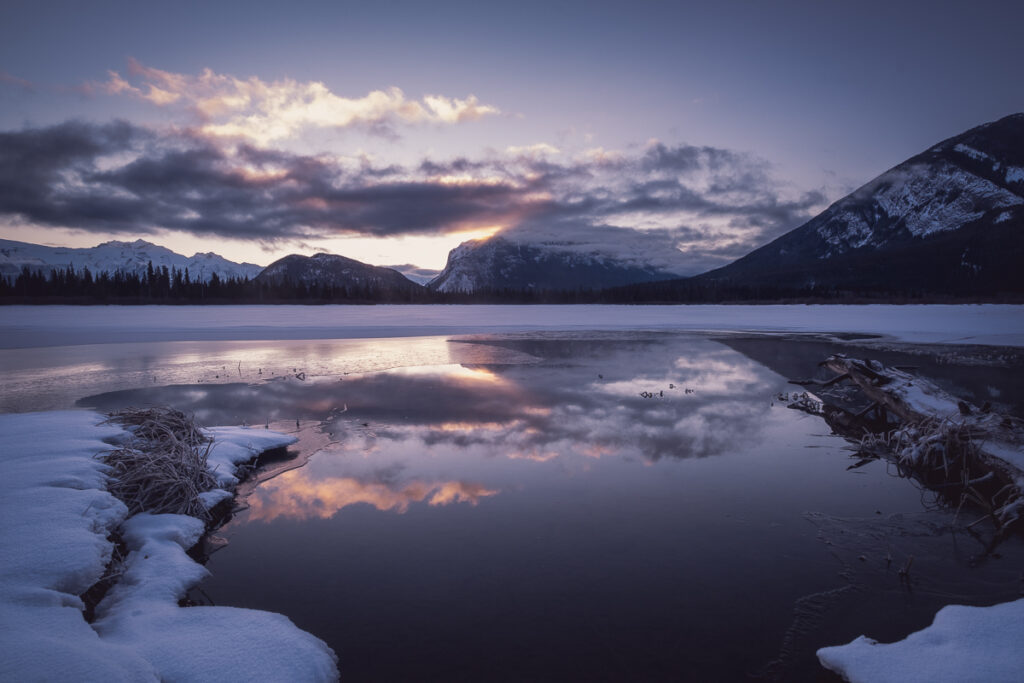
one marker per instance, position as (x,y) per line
(160,285)
(163,285)
(155,285)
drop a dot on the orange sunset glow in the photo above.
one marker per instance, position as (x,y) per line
(297,495)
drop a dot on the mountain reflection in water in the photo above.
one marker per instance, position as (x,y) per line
(635,399)
(586,397)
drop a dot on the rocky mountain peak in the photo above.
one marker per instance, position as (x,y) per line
(955,210)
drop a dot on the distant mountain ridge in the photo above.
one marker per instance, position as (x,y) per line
(950,219)
(337,272)
(420,276)
(500,263)
(130,257)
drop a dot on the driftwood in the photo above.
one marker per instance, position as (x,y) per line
(909,398)
(949,443)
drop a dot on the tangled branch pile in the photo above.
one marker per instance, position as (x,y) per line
(163,467)
(938,442)
(953,450)
(949,443)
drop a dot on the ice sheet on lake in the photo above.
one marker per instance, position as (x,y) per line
(55,517)
(32,326)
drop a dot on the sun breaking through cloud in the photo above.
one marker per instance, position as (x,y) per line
(707,204)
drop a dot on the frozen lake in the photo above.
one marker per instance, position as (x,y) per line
(570,498)
(32,326)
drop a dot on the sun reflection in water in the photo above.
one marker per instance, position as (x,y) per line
(450,373)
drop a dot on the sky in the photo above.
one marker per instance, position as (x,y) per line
(680,133)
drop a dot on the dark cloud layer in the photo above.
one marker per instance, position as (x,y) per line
(122,178)
(35,165)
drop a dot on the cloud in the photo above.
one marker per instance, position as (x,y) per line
(536,150)
(40,171)
(695,206)
(681,208)
(121,178)
(416,273)
(301,495)
(539,396)
(11,79)
(656,248)
(265,112)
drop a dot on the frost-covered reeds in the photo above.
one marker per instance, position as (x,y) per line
(937,441)
(947,443)
(163,466)
(948,452)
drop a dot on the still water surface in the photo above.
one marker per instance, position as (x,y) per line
(552,507)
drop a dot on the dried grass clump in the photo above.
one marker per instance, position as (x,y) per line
(163,467)
(938,442)
(951,450)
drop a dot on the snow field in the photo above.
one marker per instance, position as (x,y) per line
(55,516)
(41,326)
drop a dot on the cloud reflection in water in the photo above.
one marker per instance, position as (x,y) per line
(299,495)
(445,434)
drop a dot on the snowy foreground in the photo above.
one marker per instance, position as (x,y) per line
(55,516)
(34,326)
(963,645)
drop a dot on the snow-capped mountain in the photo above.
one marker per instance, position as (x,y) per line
(420,276)
(950,219)
(132,257)
(331,270)
(502,262)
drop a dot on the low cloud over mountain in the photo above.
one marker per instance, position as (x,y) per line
(711,204)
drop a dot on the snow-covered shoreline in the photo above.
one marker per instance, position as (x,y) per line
(962,645)
(37,326)
(55,518)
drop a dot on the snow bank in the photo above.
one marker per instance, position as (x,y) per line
(55,517)
(235,445)
(54,520)
(198,643)
(963,644)
(35,326)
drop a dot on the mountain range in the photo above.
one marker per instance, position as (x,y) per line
(131,257)
(948,221)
